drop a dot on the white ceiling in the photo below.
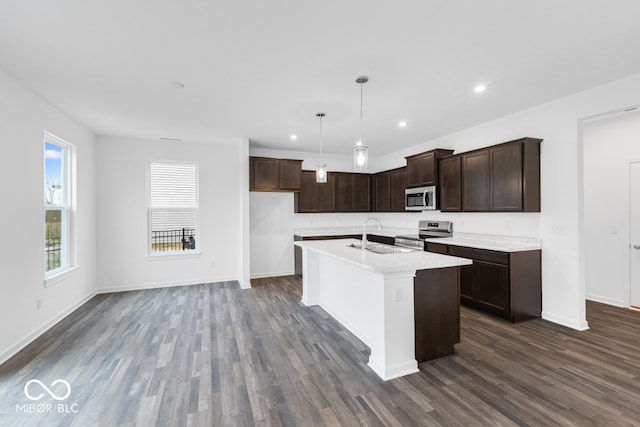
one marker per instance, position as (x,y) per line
(262,69)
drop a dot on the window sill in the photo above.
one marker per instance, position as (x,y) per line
(167,256)
(58,277)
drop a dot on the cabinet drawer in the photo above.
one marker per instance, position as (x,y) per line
(479,254)
(437,248)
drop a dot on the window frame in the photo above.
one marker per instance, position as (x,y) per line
(172,254)
(68,263)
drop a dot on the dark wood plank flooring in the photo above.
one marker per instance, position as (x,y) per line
(216,355)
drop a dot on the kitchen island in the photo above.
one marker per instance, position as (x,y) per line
(404,306)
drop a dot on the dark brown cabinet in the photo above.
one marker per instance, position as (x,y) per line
(315,197)
(353,192)
(422,169)
(398,184)
(382,191)
(290,174)
(475,181)
(267,174)
(507,284)
(501,178)
(388,189)
(451,184)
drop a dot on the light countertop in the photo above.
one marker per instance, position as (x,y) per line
(342,231)
(470,240)
(381,263)
(490,242)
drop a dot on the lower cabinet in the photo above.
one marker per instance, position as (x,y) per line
(507,284)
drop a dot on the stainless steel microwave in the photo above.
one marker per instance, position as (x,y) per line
(420,198)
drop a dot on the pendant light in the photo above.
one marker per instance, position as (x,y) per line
(361,151)
(321,168)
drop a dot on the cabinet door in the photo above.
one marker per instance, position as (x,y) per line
(382,192)
(492,286)
(398,179)
(421,170)
(506,177)
(344,192)
(265,173)
(326,193)
(362,192)
(306,198)
(451,184)
(468,283)
(475,181)
(290,174)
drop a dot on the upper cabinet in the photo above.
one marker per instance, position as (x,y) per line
(422,169)
(450,184)
(315,197)
(500,178)
(353,192)
(388,190)
(267,174)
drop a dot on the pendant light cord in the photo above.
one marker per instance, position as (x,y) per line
(361,90)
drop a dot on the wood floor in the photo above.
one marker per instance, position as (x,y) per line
(216,355)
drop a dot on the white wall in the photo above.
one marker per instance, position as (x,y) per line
(610,142)
(23,119)
(123,261)
(560,222)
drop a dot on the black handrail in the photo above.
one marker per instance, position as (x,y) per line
(173,240)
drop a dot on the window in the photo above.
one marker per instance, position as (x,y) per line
(57,205)
(173,207)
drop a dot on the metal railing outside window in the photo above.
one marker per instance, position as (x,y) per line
(173,240)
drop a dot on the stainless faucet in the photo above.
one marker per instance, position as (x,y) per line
(364,229)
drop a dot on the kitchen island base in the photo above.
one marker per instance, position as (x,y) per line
(405,317)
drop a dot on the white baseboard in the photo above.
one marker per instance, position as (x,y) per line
(13,350)
(272,274)
(569,323)
(606,300)
(157,285)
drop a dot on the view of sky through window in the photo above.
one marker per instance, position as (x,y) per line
(53,174)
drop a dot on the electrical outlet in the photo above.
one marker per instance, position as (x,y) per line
(558,229)
(38,303)
(397,295)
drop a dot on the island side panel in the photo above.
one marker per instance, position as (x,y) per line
(437,312)
(376,308)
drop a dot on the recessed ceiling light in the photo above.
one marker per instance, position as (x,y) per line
(402,123)
(293,137)
(177,85)
(480,88)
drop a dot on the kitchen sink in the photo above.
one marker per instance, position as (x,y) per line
(381,248)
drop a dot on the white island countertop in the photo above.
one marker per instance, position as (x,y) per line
(381,263)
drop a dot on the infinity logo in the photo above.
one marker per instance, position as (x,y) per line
(52,394)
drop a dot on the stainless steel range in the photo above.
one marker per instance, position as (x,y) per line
(426,230)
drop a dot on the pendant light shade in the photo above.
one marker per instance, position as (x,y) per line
(361,151)
(321,168)
(360,158)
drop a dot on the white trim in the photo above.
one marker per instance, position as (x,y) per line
(563,321)
(171,255)
(168,284)
(606,300)
(272,274)
(23,343)
(60,276)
